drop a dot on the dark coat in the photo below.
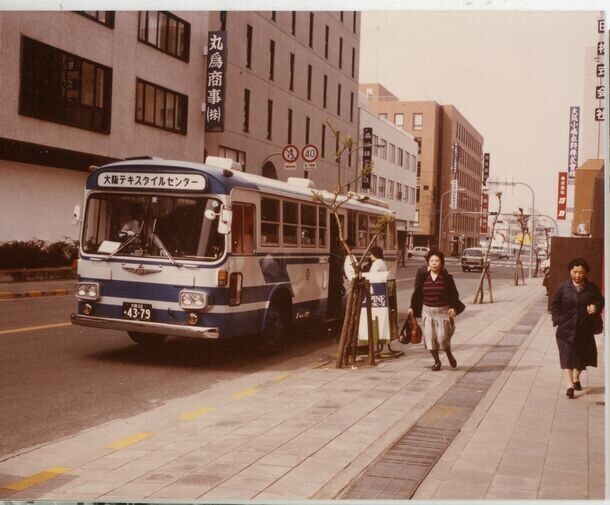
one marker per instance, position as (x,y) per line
(569,309)
(417,299)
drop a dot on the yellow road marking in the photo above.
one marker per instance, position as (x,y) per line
(282,377)
(188,416)
(34,328)
(245,393)
(127,441)
(43,476)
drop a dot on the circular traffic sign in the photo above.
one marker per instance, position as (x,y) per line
(310,153)
(290,153)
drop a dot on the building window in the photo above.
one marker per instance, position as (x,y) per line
(354,22)
(309,70)
(323,143)
(381,189)
(391,158)
(373,184)
(64,88)
(398,195)
(340,52)
(353,62)
(271,59)
(400,158)
(324,91)
(417,194)
(390,189)
(248,46)
(399,119)
(289,126)
(418,121)
(351,107)
(375,142)
(293,29)
(418,169)
(233,154)
(166,32)
(246,110)
(273,16)
(104,17)
(291,87)
(413,163)
(326,39)
(269,118)
(338,99)
(311,30)
(307,125)
(242,228)
(160,107)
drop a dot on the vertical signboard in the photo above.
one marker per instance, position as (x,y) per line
(601,25)
(454,193)
(455,158)
(215,82)
(573,144)
(367,143)
(485,168)
(484,211)
(562,195)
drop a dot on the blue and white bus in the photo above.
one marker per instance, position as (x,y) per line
(196,250)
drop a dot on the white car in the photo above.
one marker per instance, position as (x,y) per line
(418,251)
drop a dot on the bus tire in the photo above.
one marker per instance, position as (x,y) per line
(146,339)
(276,323)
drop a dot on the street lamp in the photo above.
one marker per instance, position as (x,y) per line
(440,218)
(533,228)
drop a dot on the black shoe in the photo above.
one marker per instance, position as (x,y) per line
(577,386)
(436,367)
(570,392)
(451,359)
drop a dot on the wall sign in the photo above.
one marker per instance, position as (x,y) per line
(216,82)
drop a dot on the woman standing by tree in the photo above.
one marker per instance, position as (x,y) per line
(576,305)
(436,300)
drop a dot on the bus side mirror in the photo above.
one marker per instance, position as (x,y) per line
(76,215)
(225,220)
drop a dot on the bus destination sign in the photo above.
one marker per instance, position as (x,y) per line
(146,180)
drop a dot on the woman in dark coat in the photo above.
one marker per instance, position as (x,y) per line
(576,305)
(436,300)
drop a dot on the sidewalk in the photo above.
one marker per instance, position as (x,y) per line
(320,432)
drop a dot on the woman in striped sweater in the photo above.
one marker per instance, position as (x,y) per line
(436,300)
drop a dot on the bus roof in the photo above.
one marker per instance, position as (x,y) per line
(221,182)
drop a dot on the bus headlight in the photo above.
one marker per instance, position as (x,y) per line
(193,300)
(87,290)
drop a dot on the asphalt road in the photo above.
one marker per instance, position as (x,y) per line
(58,379)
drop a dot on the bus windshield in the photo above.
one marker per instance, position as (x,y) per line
(152,226)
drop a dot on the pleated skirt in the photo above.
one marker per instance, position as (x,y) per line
(437,328)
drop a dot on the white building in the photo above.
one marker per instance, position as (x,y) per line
(394,177)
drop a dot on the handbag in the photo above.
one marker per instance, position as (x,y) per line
(411,332)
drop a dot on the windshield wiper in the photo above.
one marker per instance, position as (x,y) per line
(126,243)
(159,243)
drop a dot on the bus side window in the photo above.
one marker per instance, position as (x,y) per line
(242,229)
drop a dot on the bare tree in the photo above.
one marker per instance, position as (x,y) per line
(485,273)
(522,222)
(359,287)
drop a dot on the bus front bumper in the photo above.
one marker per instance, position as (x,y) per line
(145,327)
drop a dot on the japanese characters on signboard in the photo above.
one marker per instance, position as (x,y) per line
(485,168)
(215,81)
(148,180)
(367,143)
(573,144)
(601,48)
(599,114)
(601,25)
(600,92)
(484,211)
(456,157)
(454,194)
(562,195)
(600,70)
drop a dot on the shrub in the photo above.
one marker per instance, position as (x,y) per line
(37,254)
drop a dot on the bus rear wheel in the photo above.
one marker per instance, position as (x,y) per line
(146,339)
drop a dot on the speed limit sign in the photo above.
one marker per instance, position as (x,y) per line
(290,154)
(310,154)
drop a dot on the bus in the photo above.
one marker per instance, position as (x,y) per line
(174,248)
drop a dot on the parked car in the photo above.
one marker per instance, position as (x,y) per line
(472,259)
(420,251)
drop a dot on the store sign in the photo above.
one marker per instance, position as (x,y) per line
(601,71)
(562,195)
(600,114)
(151,180)
(484,212)
(573,143)
(601,48)
(216,81)
(456,157)
(454,194)
(601,25)
(485,168)
(367,146)
(600,92)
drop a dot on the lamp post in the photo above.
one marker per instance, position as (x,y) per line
(440,218)
(533,228)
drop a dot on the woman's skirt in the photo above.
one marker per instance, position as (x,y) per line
(437,328)
(580,354)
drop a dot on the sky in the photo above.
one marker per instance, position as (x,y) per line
(514,76)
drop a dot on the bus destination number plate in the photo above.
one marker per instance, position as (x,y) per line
(137,311)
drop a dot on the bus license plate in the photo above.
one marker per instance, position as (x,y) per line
(137,311)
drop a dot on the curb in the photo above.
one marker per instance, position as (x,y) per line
(33,294)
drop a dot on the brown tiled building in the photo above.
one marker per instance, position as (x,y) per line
(437,128)
(589,200)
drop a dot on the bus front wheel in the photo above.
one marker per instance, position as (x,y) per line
(147,339)
(272,337)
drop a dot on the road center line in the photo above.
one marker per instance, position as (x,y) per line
(34,328)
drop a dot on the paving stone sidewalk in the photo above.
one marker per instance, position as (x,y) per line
(311,432)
